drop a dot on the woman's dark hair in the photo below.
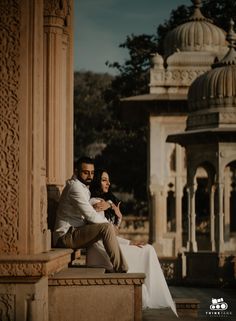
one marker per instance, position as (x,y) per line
(96,191)
(95,186)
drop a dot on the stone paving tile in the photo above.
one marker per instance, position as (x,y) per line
(204,295)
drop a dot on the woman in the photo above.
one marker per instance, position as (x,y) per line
(140,258)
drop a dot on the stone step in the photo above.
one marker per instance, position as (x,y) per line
(89,294)
(187,306)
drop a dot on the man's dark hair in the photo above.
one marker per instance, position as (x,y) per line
(84,159)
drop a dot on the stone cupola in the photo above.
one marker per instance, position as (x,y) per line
(212,96)
(189,51)
(198,33)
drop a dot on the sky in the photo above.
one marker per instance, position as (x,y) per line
(101,25)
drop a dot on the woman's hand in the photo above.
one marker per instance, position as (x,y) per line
(136,243)
(101,206)
(117,211)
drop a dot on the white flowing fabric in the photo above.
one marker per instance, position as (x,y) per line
(155,292)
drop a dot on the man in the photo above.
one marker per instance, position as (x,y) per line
(77,224)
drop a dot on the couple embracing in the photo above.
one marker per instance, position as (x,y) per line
(89,216)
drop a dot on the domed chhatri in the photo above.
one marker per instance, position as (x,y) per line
(197,34)
(215,91)
(217,87)
(190,50)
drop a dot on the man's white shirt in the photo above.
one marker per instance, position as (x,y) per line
(74,208)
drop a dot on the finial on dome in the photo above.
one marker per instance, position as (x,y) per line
(197,3)
(197,15)
(230,57)
(231,35)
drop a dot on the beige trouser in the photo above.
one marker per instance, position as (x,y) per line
(84,236)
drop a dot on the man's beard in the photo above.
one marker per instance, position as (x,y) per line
(86,182)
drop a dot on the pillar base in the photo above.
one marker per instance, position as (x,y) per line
(192,246)
(24,283)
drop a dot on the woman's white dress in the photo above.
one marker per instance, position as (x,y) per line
(155,292)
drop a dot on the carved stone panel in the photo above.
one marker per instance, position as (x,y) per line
(9,125)
(7,307)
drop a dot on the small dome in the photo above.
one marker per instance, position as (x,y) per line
(157,61)
(197,34)
(215,90)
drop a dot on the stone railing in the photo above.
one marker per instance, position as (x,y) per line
(172,269)
(135,228)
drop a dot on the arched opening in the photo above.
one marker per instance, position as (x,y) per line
(185,217)
(171,213)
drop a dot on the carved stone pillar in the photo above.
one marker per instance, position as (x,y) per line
(227,192)
(160,218)
(158,207)
(23,200)
(25,259)
(58,91)
(212,217)
(220,218)
(58,99)
(178,199)
(191,244)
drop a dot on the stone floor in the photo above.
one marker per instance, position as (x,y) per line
(204,296)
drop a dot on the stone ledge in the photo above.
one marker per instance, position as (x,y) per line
(94,276)
(95,295)
(187,306)
(35,265)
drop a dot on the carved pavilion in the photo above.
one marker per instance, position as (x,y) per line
(189,51)
(210,142)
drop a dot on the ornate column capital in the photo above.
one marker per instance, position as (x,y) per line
(57,12)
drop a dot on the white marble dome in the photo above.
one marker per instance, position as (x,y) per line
(197,34)
(215,90)
(217,87)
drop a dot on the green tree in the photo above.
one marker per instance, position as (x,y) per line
(133,78)
(91,116)
(220,12)
(127,147)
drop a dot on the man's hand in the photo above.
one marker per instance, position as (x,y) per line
(101,206)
